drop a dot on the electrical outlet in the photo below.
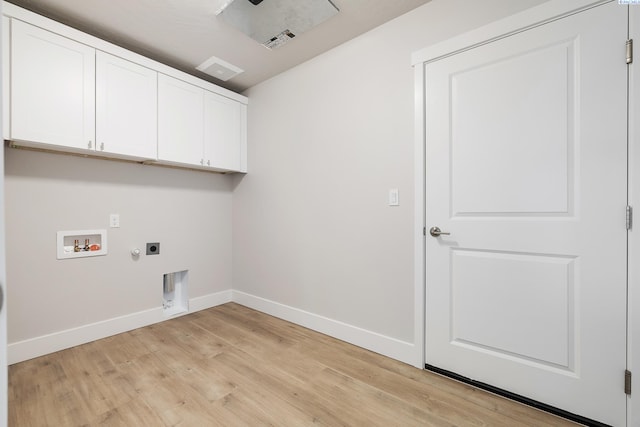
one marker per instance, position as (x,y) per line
(153,248)
(114,220)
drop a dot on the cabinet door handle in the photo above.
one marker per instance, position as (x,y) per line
(202,162)
(90,144)
(208,162)
(102,146)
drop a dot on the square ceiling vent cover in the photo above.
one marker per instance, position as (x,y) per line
(273,23)
(219,69)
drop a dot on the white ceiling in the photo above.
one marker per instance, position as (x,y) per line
(184,33)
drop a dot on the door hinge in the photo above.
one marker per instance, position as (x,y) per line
(424,231)
(629,51)
(627,382)
(629,217)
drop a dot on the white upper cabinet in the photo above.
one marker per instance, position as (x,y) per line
(52,88)
(224,132)
(68,91)
(200,128)
(180,121)
(126,108)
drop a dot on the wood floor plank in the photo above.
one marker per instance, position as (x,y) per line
(252,339)
(133,413)
(95,379)
(367,405)
(196,340)
(233,366)
(268,380)
(377,369)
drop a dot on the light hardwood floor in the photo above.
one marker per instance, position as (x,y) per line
(233,366)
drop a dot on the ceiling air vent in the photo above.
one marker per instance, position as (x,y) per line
(219,69)
(273,23)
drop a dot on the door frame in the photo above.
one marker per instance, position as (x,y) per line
(633,240)
(4,404)
(530,18)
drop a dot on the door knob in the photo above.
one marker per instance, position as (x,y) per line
(436,232)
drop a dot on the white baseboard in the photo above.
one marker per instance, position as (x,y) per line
(400,350)
(39,346)
(387,346)
(210,300)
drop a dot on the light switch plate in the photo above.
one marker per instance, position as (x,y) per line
(394,197)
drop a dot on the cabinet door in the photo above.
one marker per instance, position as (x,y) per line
(126,107)
(180,121)
(223,132)
(52,88)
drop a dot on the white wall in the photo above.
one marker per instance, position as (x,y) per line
(188,212)
(313,238)
(327,140)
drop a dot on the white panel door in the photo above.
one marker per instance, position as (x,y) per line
(222,132)
(180,121)
(52,88)
(526,169)
(126,107)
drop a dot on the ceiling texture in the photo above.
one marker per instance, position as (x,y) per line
(186,33)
